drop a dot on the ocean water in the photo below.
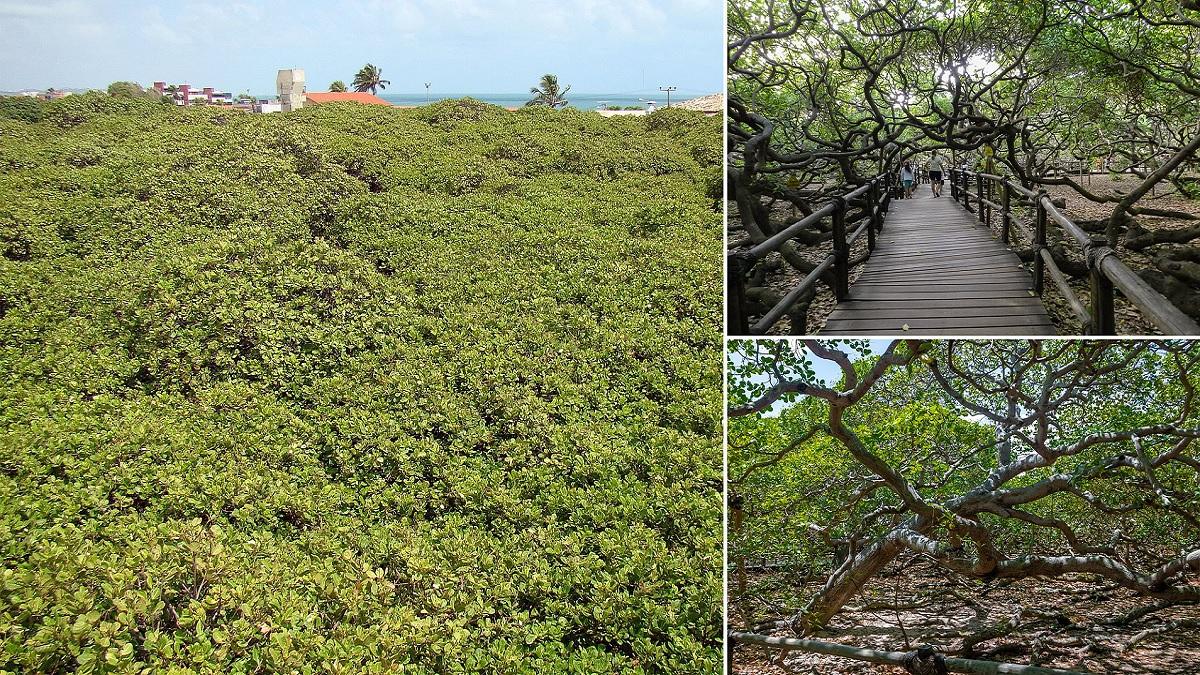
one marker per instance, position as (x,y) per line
(516,100)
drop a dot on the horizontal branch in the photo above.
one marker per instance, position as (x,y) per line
(954,665)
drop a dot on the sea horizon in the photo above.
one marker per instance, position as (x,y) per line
(514,100)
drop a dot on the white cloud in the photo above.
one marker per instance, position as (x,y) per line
(625,17)
(406,15)
(157,28)
(54,9)
(70,19)
(547,20)
(227,15)
(467,9)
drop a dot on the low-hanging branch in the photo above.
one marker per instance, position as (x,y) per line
(1138,467)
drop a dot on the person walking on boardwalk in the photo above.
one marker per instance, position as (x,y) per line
(935,174)
(906,178)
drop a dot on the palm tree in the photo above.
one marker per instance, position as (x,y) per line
(548,93)
(370,77)
(337,85)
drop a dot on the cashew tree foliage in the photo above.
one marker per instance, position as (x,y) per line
(825,94)
(991,461)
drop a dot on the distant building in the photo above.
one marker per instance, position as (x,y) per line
(319,97)
(268,107)
(289,85)
(184,94)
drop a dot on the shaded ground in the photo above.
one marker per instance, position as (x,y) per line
(1063,623)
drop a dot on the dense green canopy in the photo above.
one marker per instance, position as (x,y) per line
(825,94)
(356,387)
(990,460)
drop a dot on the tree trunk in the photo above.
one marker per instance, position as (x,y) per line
(845,584)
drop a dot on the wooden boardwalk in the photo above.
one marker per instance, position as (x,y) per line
(938,271)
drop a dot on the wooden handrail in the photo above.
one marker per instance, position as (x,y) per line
(776,313)
(873,196)
(1106,271)
(773,243)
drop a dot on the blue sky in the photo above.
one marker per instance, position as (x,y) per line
(478,46)
(828,373)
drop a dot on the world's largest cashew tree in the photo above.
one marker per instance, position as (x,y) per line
(995,463)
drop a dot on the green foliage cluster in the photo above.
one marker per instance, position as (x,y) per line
(358,389)
(1054,79)
(24,108)
(944,451)
(126,89)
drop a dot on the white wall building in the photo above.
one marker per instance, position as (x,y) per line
(289,85)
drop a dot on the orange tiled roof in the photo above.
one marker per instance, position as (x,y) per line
(331,96)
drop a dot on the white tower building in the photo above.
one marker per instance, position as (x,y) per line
(289,84)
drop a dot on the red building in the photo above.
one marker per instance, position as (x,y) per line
(185,95)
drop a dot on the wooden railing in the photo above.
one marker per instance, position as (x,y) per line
(994,197)
(872,199)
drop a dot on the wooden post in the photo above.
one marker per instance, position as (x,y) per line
(953,184)
(798,319)
(983,193)
(991,194)
(1039,243)
(872,207)
(994,195)
(841,252)
(1104,317)
(979,195)
(735,311)
(1005,210)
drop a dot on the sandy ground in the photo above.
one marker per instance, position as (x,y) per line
(1063,625)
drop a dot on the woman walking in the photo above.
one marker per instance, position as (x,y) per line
(906,178)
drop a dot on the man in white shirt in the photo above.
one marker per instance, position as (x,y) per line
(935,174)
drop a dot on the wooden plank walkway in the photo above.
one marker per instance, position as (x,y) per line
(938,271)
